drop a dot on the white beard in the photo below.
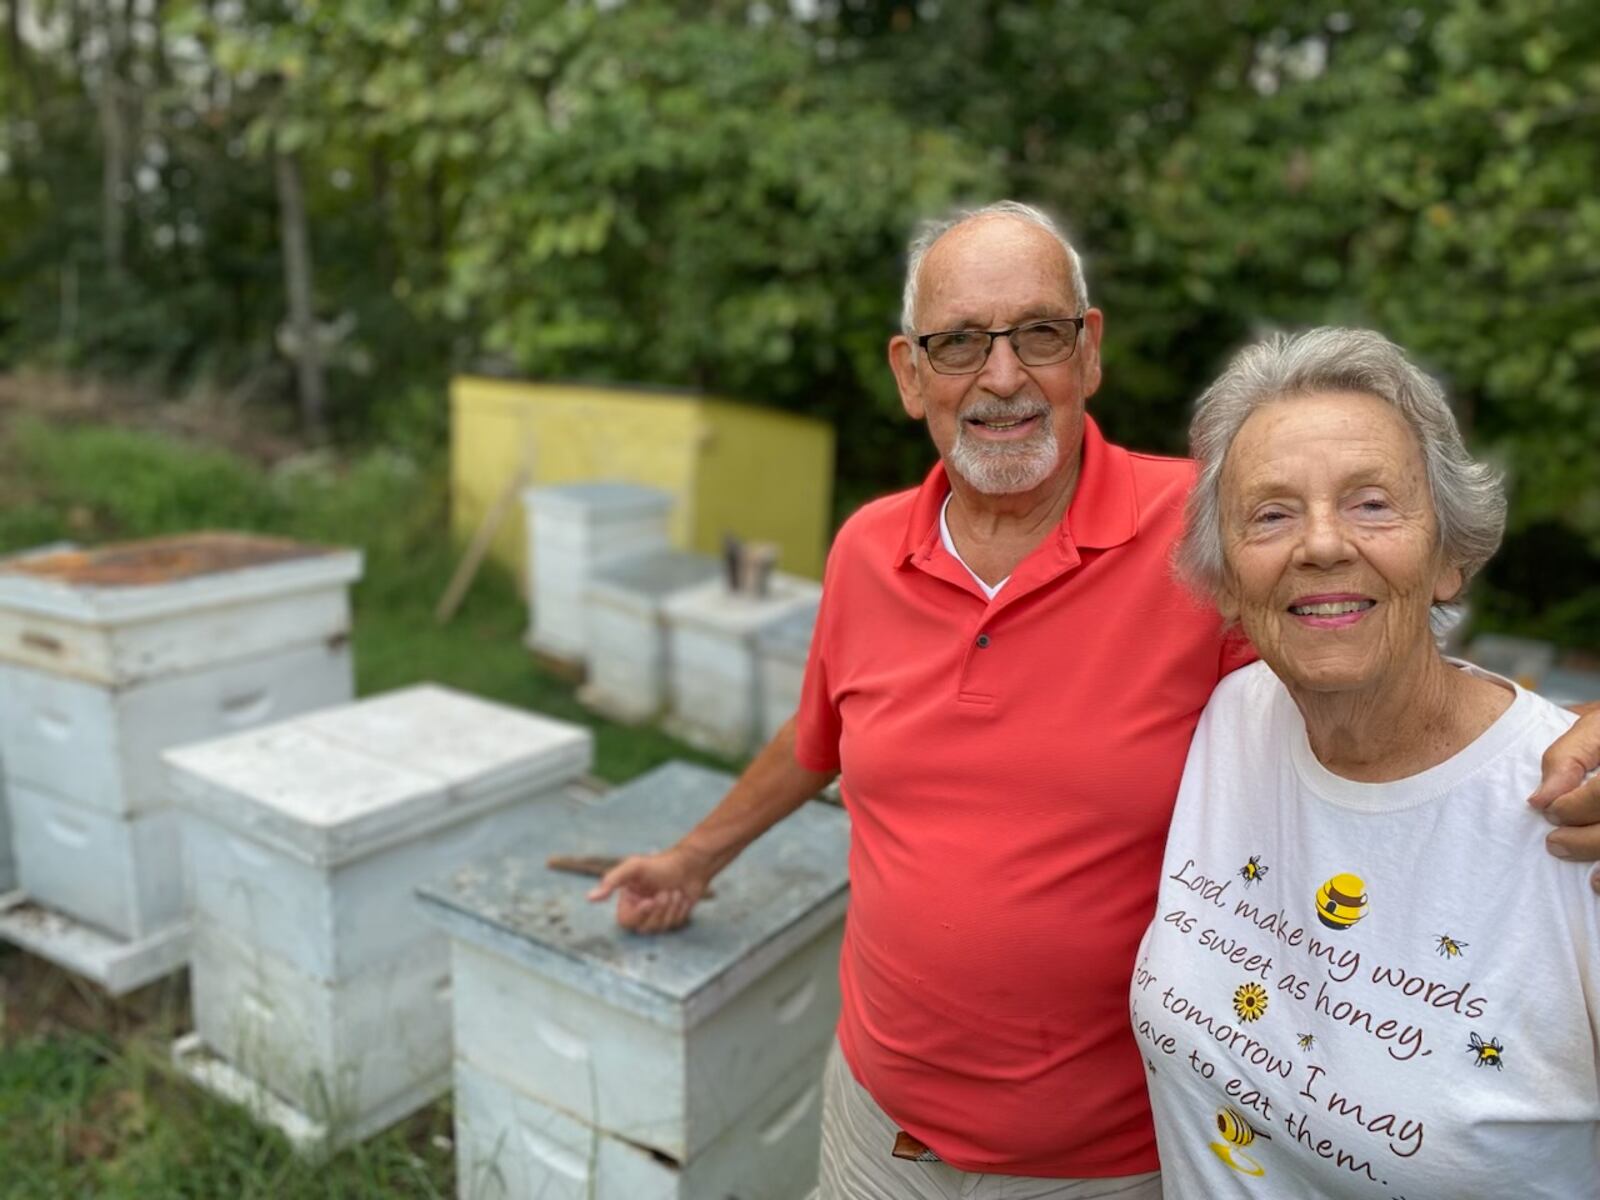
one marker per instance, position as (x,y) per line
(1004,468)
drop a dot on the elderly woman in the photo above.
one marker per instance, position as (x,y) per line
(1366,978)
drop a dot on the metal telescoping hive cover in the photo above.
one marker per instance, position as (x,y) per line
(336,784)
(155,576)
(786,887)
(654,575)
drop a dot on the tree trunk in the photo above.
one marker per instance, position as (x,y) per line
(17,52)
(113,146)
(296,240)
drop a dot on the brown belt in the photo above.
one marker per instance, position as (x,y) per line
(907,1147)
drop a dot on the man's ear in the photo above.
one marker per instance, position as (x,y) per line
(901,361)
(1089,350)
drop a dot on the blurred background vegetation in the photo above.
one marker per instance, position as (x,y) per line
(315,212)
(245,243)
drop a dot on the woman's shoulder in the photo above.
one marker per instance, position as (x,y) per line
(1250,716)
(1251,689)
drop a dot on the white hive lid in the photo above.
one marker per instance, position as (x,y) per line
(157,577)
(713,606)
(652,576)
(601,501)
(336,784)
(788,886)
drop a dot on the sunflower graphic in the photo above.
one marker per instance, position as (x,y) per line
(1249,1001)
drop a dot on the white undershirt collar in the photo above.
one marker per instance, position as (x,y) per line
(989,590)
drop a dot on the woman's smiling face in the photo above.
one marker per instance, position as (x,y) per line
(1330,542)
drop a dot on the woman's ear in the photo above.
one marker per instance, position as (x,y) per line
(1227,599)
(1448,584)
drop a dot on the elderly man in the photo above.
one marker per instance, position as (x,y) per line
(1007,675)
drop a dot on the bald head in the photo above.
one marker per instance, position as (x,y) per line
(1031,221)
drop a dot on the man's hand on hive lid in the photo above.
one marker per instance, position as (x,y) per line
(655,892)
(1566,797)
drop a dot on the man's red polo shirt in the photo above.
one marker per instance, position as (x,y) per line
(1010,768)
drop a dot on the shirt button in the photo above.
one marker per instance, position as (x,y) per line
(983,640)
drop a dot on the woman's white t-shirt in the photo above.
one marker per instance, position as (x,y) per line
(1375,991)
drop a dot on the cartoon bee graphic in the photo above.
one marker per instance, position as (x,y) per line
(1448,947)
(1342,901)
(1237,1133)
(1305,1041)
(1490,1053)
(1253,871)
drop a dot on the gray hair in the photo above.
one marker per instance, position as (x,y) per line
(1468,501)
(930,232)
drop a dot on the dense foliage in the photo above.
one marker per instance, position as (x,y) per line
(714,192)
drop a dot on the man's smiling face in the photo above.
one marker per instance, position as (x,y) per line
(1007,428)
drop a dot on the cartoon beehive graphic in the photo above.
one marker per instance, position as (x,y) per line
(1342,901)
(1237,1133)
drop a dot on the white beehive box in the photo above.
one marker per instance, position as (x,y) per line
(572,530)
(120,614)
(668,1043)
(627,675)
(109,656)
(8,863)
(711,652)
(121,875)
(510,1146)
(101,747)
(781,651)
(305,841)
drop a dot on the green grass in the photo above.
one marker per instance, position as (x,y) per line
(88,1106)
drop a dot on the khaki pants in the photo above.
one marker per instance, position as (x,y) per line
(856,1164)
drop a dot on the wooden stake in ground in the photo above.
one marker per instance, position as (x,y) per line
(478,548)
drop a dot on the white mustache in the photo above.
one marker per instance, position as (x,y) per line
(996,409)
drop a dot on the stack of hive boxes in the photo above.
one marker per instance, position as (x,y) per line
(573,529)
(593,1064)
(781,652)
(321,999)
(108,657)
(627,676)
(712,634)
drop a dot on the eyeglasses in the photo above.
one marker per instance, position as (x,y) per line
(964,351)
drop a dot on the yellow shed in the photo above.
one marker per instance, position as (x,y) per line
(731,468)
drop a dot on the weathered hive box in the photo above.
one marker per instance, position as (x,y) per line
(8,866)
(781,652)
(1524,660)
(581,1049)
(756,472)
(712,635)
(121,614)
(108,657)
(573,530)
(1569,685)
(313,979)
(627,676)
